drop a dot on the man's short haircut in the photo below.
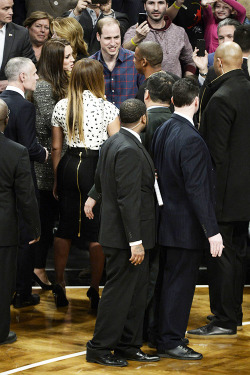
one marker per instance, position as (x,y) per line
(242,37)
(228,22)
(132,110)
(185,91)
(151,51)
(107,21)
(160,87)
(15,66)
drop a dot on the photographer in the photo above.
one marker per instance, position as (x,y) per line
(88,13)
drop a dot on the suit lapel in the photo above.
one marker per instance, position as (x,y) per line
(9,39)
(140,145)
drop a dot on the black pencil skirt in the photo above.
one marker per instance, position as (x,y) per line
(75,177)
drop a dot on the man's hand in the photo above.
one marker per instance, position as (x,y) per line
(34,241)
(106,8)
(80,6)
(216,245)
(201,61)
(3,85)
(141,32)
(137,254)
(88,208)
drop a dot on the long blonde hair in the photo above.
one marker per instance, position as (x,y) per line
(87,74)
(70,29)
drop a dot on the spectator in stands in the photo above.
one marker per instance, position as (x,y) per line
(38,24)
(121,78)
(71,30)
(177,50)
(14,40)
(220,11)
(53,67)
(89,14)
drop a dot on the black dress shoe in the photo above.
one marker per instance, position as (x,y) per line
(20,300)
(41,283)
(212,331)
(107,359)
(212,317)
(180,352)
(59,296)
(138,355)
(94,297)
(11,338)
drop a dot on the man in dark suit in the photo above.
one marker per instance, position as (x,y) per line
(225,128)
(21,74)
(125,179)
(187,221)
(14,40)
(88,15)
(16,192)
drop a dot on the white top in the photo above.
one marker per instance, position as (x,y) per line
(2,42)
(97,115)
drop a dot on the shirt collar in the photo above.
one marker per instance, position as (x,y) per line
(121,55)
(156,106)
(3,29)
(186,117)
(132,132)
(16,89)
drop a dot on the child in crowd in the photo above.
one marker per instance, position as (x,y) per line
(213,15)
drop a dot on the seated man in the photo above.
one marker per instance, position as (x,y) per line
(177,50)
(89,14)
(121,78)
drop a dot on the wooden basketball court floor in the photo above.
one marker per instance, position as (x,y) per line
(52,341)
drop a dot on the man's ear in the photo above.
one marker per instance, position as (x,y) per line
(172,100)
(22,77)
(146,95)
(98,37)
(144,119)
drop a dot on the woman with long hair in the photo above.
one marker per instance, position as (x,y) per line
(85,119)
(53,68)
(38,25)
(70,29)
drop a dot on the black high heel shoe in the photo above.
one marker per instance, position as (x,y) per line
(41,283)
(94,297)
(59,296)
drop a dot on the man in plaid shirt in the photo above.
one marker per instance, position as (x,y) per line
(121,78)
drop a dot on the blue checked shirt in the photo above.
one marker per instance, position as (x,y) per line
(123,82)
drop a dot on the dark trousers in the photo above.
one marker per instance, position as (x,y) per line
(8,258)
(121,310)
(25,260)
(180,273)
(227,275)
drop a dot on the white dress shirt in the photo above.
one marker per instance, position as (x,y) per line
(2,42)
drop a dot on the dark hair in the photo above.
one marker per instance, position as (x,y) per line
(144,1)
(160,86)
(50,66)
(151,51)
(106,21)
(185,91)
(228,22)
(242,37)
(131,111)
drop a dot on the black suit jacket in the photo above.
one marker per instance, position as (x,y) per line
(16,192)
(125,178)
(210,86)
(21,127)
(185,177)
(131,7)
(156,117)
(225,127)
(17,44)
(90,31)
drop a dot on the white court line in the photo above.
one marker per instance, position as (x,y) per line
(37,364)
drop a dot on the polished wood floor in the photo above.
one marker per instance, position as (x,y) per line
(45,333)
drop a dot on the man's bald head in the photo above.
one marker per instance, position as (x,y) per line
(3,115)
(227,57)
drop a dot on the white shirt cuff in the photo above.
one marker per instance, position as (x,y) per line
(135,243)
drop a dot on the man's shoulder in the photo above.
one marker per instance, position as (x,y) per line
(18,28)
(11,146)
